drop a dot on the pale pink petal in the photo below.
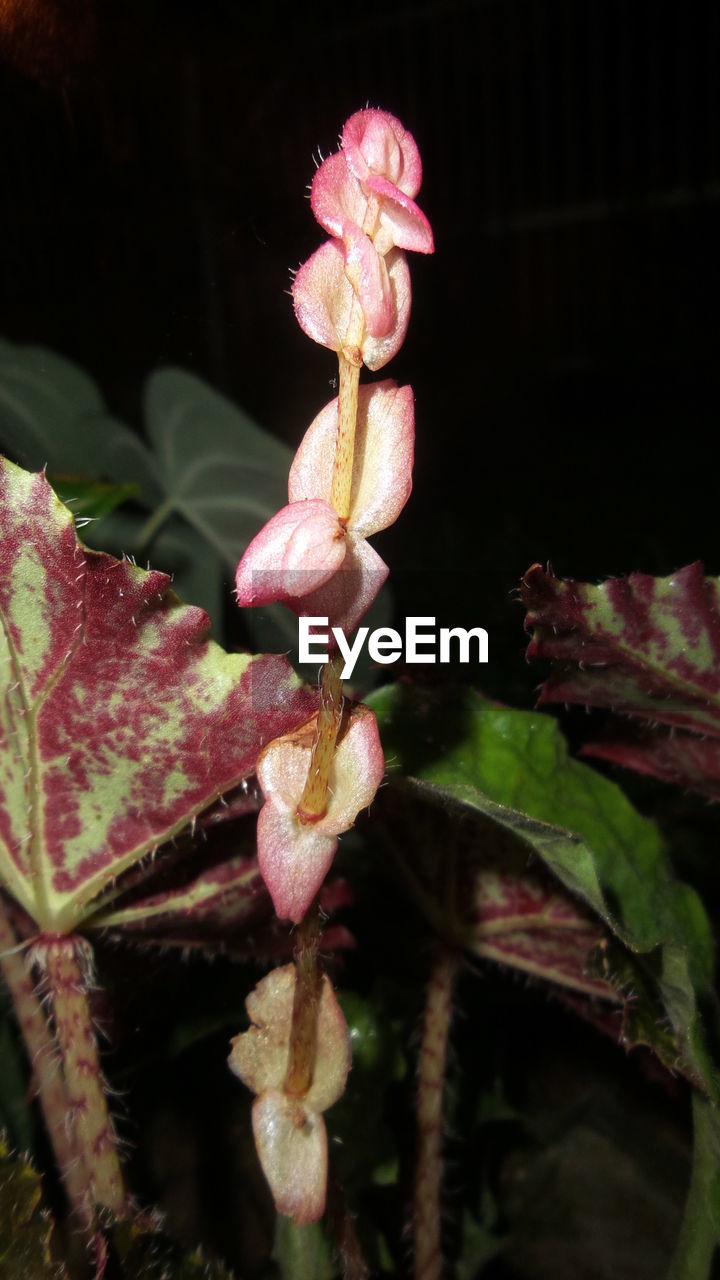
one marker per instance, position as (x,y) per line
(261,1056)
(298,550)
(368,274)
(312,467)
(294,859)
(282,770)
(382,459)
(357,770)
(336,196)
(333,1053)
(346,597)
(292,1145)
(375,142)
(323,296)
(402,223)
(377,351)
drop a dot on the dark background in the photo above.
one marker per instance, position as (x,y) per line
(155,158)
(562,344)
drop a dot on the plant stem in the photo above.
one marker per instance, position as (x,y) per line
(314,797)
(431,1078)
(154,522)
(697,1242)
(345,442)
(43,1052)
(66,961)
(303,1033)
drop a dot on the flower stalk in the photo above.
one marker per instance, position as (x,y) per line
(306,1001)
(349,383)
(350,479)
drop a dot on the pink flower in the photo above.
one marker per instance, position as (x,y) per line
(289,1131)
(323,297)
(362,196)
(305,555)
(377,145)
(341,200)
(294,855)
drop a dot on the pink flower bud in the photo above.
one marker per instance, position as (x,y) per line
(376,144)
(289,1131)
(323,299)
(294,856)
(382,459)
(305,556)
(298,550)
(377,207)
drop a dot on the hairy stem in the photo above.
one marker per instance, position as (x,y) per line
(345,440)
(431,1078)
(66,961)
(42,1050)
(303,1033)
(314,797)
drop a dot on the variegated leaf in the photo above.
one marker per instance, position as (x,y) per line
(646,648)
(120,720)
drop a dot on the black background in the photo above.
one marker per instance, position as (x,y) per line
(562,345)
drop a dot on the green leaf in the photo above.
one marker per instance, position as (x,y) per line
(52,414)
(120,720)
(24,1230)
(91,499)
(219,470)
(513,768)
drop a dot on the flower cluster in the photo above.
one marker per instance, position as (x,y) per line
(350,479)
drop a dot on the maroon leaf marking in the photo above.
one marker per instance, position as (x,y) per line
(647,648)
(120,720)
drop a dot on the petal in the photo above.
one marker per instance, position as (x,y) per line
(368,274)
(402,223)
(323,295)
(382,460)
(377,351)
(336,196)
(282,770)
(357,770)
(333,1053)
(293,857)
(292,1145)
(346,597)
(261,1056)
(296,551)
(375,142)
